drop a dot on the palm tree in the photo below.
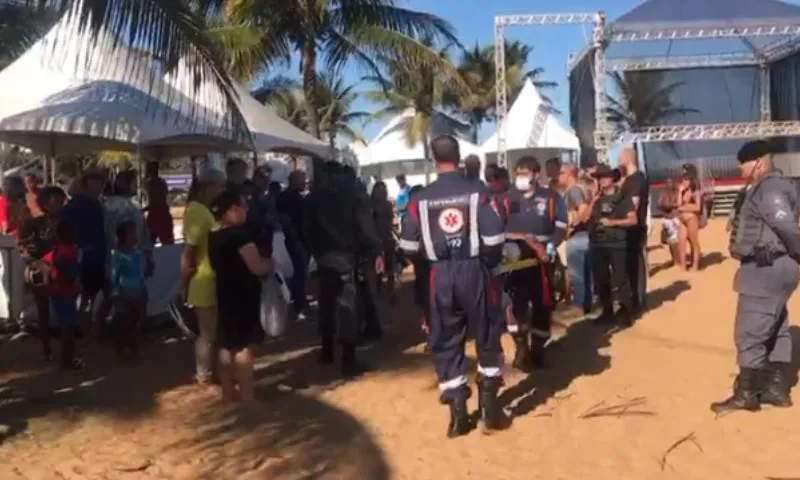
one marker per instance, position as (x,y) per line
(20,26)
(517,56)
(420,91)
(643,99)
(290,106)
(337,109)
(335,105)
(477,67)
(336,31)
(246,49)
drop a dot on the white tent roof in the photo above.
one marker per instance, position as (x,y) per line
(71,92)
(270,132)
(531,125)
(390,144)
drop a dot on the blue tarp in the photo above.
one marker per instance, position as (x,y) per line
(657,14)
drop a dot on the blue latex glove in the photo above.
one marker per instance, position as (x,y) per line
(551,251)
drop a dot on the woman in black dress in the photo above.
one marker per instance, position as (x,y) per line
(239,269)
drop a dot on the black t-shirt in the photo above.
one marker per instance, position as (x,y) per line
(613,206)
(290,206)
(238,290)
(636,186)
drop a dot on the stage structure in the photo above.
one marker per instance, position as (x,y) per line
(768,29)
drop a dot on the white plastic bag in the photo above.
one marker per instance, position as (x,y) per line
(274,306)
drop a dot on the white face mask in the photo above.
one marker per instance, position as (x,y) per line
(523,183)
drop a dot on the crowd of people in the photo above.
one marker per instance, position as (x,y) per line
(88,240)
(592,223)
(488,255)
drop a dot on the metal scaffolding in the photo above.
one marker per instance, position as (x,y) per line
(500,24)
(603,36)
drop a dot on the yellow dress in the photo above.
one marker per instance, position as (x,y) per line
(197,223)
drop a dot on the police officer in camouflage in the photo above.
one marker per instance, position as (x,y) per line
(766,240)
(452,225)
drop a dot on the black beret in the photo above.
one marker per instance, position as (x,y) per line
(753,151)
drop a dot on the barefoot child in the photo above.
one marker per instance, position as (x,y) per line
(128,290)
(63,290)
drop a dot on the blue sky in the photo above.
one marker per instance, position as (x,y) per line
(474,21)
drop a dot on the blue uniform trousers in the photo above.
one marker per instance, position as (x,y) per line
(463,297)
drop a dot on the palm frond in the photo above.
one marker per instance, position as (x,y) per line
(274,86)
(21,25)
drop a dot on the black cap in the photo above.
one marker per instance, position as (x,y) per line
(754,150)
(603,171)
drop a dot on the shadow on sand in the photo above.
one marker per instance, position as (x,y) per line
(575,354)
(291,434)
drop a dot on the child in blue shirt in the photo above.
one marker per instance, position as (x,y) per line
(128,290)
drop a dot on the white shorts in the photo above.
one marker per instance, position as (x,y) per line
(670,226)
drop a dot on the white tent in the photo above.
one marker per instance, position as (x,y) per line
(269,131)
(74,93)
(531,128)
(389,154)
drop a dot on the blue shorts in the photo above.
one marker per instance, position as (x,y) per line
(65,309)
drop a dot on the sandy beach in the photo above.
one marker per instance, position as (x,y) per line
(629,404)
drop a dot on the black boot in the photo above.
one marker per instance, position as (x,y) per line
(491,412)
(459,418)
(776,386)
(351,366)
(538,358)
(745,393)
(522,353)
(326,353)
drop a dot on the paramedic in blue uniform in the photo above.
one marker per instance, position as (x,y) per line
(452,225)
(537,222)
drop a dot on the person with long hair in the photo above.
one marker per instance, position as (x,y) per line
(690,206)
(35,240)
(383,213)
(239,268)
(670,224)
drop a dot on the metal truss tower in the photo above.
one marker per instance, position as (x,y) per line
(761,57)
(602,133)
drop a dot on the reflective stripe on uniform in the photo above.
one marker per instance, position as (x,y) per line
(454,383)
(489,371)
(474,244)
(425,231)
(493,240)
(408,245)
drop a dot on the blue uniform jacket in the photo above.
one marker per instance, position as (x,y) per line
(452,219)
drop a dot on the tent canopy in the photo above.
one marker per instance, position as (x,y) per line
(522,132)
(269,131)
(390,145)
(75,92)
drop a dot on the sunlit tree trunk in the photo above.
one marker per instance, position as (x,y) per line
(310,87)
